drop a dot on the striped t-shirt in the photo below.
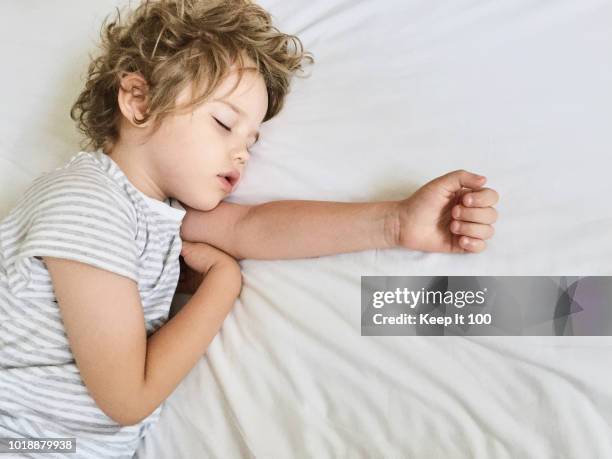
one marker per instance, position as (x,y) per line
(88,211)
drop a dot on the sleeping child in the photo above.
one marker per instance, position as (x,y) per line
(90,256)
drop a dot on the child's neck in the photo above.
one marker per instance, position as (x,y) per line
(134,165)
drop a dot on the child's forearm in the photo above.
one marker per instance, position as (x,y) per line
(174,349)
(294,228)
(301,229)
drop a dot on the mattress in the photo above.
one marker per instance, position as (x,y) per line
(402,91)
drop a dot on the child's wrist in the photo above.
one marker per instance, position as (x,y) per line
(229,272)
(392,225)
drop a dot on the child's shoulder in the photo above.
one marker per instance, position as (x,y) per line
(87,177)
(83,167)
(92,167)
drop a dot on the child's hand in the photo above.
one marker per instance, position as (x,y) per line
(196,260)
(439,216)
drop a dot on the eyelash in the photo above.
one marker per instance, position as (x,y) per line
(222,125)
(227,129)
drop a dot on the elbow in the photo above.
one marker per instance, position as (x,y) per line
(124,413)
(129,422)
(138,412)
(126,419)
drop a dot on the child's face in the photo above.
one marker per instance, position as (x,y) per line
(190,150)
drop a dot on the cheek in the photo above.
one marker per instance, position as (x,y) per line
(193,157)
(183,136)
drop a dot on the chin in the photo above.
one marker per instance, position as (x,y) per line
(212,203)
(211,207)
(204,204)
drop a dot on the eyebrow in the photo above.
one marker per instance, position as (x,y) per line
(240,113)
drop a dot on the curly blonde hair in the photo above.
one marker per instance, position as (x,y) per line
(172,44)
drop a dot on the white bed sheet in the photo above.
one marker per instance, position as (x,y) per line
(402,92)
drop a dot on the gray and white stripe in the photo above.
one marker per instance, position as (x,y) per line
(88,211)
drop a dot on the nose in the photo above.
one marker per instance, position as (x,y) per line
(242,156)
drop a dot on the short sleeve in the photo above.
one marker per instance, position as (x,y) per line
(71,216)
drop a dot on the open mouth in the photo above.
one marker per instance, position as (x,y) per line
(227,182)
(229,179)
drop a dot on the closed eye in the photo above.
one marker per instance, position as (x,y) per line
(221,124)
(227,129)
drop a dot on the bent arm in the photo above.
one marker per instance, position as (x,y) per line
(128,374)
(293,228)
(175,348)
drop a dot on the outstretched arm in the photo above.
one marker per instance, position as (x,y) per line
(293,228)
(450,214)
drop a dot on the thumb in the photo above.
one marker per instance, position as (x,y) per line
(185,247)
(454,181)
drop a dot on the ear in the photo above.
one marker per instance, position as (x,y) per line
(133,98)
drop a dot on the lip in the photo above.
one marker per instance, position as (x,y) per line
(227,186)
(232,177)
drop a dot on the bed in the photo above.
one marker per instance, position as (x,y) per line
(402,91)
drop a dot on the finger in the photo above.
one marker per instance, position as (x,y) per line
(481,198)
(185,247)
(472,245)
(188,247)
(454,181)
(462,192)
(473,230)
(486,215)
